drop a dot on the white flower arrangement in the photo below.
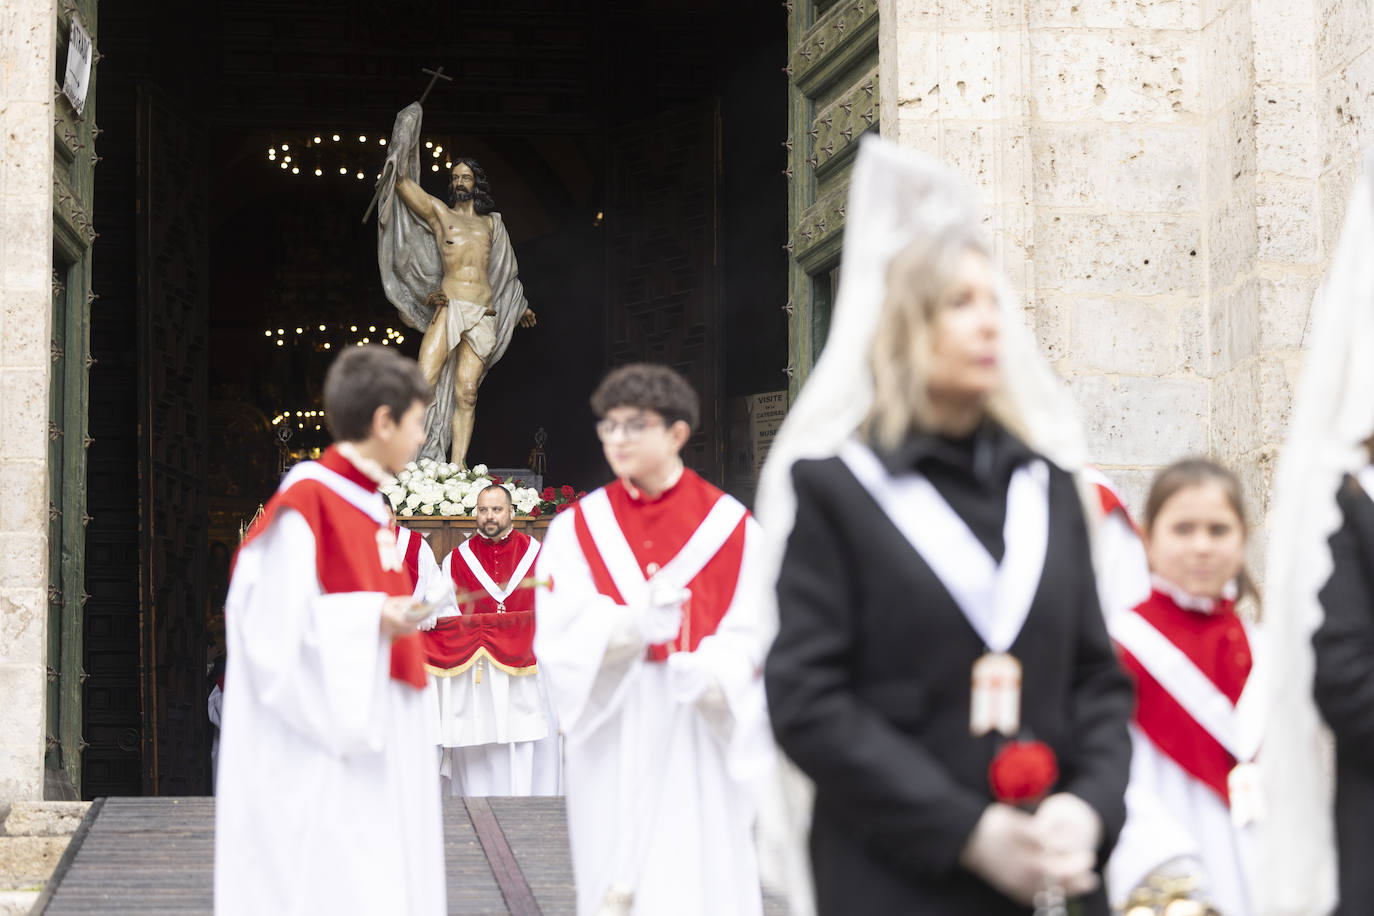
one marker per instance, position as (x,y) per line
(429,487)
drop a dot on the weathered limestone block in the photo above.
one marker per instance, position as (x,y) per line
(24,411)
(28,219)
(1343,29)
(1114,14)
(1284,209)
(27,335)
(1287,119)
(1136,77)
(1285,42)
(23,623)
(24,507)
(1142,421)
(1227,46)
(1232,241)
(1126,166)
(1285,310)
(1235,325)
(44,818)
(1348,108)
(21,731)
(21,560)
(27,861)
(1144,255)
(27,141)
(1127,336)
(1228,150)
(1050,322)
(970,66)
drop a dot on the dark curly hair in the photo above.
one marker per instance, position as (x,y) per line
(482,204)
(649,387)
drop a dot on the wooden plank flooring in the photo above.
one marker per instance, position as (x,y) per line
(156,855)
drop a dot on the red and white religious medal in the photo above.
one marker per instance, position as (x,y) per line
(996,702)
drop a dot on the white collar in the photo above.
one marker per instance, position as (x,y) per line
(668,484)
(366,466)
(1190,602)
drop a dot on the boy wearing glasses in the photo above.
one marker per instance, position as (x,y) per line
(653,666)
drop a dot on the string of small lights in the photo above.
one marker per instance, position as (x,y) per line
(329,154)
(355,335)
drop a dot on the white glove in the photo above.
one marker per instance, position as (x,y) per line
(688,680)
(429,622)
(662,619)
(1069,830)
(1005,851)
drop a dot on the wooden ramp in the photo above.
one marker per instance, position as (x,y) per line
(156,855)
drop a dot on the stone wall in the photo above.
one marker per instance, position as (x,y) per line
(27,50)
(1164,183)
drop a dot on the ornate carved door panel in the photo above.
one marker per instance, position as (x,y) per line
(661,219)
(173,405)
(834,99)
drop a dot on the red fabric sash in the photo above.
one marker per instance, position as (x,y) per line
(412,555)
(456,643)
(1217,644)
(656,530)
(346,552)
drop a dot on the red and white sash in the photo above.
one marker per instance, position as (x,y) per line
(484,578)
(1238,728)
(370,503)
(995,598)
(725,516)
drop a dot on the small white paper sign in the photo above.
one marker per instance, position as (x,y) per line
(79,54)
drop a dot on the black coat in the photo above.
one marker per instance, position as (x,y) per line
(1345,692)
(868,688)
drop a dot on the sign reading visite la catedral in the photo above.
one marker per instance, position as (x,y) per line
(766,413)
(79,54)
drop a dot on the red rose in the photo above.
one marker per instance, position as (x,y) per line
(498,480)
(562,507)
(1023,772)
(547,495)
(536,512)
(568,492)
(581,493)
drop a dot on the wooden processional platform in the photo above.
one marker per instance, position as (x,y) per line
(156,855)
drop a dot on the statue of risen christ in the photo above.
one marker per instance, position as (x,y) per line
(451,272)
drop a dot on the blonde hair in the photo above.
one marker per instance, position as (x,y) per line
(920,283)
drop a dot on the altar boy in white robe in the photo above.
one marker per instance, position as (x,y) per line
(497,735)
(653,665)
(328,786)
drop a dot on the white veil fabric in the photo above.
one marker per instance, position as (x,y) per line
(895,197)
(1333,414)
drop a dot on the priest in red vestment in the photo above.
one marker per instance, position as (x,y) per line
(328,787)
(652,657)
(497,733)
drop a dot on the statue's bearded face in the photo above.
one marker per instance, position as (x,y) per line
(462,183)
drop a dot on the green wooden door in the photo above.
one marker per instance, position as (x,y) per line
(833,100)
(73,234)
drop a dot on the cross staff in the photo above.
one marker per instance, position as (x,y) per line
(434,77)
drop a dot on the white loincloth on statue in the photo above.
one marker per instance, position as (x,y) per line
(472,322)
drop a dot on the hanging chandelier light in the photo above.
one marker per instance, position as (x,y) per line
(334,155)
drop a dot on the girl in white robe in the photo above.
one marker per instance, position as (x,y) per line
(1197,724)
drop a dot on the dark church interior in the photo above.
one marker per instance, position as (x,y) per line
(634,150)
